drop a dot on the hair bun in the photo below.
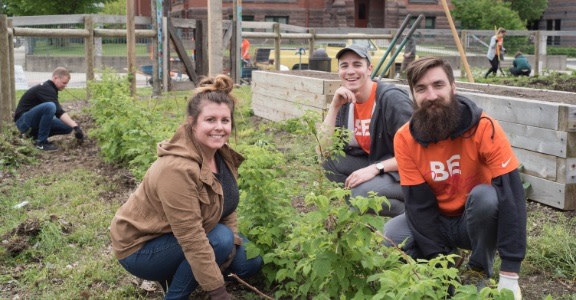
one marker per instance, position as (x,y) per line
(220,83)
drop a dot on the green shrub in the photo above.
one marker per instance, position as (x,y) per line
(14,150)
(128,129)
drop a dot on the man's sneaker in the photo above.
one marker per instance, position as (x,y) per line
(46,146)
(474,277)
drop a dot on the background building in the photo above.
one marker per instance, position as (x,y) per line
(323,13)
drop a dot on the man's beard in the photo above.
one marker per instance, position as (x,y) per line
(435,120)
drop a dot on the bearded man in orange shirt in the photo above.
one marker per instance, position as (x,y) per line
(460,181)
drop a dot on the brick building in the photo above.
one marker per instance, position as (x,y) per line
(323,13)
(560,16)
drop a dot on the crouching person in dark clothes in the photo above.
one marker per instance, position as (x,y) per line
(520,65)
(40,115)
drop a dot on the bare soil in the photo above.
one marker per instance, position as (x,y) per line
(73,155)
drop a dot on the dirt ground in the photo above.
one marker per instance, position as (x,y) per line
(73,155)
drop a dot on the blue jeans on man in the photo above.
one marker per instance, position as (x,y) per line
(475,230)
(162,259)
(40,122)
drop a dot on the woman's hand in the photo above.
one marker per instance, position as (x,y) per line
(219,294)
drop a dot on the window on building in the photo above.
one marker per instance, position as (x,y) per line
(430,23)
(554,24)
(248,19)
(427,23)
(362,11)
(278,19)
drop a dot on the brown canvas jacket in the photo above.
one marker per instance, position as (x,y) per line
(178,194)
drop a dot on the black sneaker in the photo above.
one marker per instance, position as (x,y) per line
(478,278)
(46,146)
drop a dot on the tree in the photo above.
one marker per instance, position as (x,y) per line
(529,9)
(52,7)
(117,7)
(486,14)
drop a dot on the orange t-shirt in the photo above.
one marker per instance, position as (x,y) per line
(362,117)
(453,167)
(245,49)
(500,42)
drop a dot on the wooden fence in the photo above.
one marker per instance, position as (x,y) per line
(21,27)
(279,33)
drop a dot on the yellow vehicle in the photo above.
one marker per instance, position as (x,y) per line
(298,58)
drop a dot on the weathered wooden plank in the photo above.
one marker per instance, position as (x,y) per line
(181,51)
(271,80)
(566,170)
(257,25)
(183,23)
(293,28)
(44,32)
(537,164)
(281,109)
(100,32)
(297,96)
(537,139)
(562,196)
(330,86)
(48,20)
(567,118)
(74,19)
(514,110)
(121,19)
(543,114)
(270,113)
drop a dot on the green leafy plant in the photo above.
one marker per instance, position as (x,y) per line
(14,150)
(127,128)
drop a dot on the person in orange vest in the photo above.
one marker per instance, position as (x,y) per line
(245,50)
(496,51)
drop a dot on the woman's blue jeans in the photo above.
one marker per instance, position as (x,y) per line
(162,259)
(41,122)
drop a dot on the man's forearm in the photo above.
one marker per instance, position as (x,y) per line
(326,129)
(67,120)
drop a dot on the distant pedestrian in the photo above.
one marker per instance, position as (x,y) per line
(520,65)
(246,50)
(496,51)
(39,114)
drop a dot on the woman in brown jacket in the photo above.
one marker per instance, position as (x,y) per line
(179,227)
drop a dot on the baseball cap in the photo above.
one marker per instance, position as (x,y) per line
(361,51)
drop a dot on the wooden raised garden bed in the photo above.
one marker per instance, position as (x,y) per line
(542,133)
